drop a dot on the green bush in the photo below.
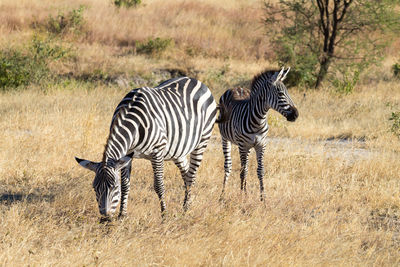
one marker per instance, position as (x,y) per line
(73,22)
(320,37)
(396,70)
(395,129)
(153,46)
(127,3)
(14,69)
(346,83)
(303,64)
(23,66)
(44,49)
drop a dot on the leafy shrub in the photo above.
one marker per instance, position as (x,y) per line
(318,36)
(153,46)
(73,21)
(396,70)
(44,49)
(300,76)
(19,67)
(127,3)
(14,69)
(347,82)
(395,129)
(303,64)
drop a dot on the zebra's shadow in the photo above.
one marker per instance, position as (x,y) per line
(12,198)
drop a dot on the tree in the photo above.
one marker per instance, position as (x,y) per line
(314,35)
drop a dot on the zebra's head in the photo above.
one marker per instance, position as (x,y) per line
(107,183)
(279,98)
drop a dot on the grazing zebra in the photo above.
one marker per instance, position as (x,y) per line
(167,122)
(243,120)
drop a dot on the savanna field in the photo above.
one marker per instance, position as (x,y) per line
(332,178)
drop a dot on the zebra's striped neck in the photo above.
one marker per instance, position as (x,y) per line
(259,101)
(113,150)
(120,139)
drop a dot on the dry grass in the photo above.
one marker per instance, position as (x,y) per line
(199,27)
(324,207)
(328,203)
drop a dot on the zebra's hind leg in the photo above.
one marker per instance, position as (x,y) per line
(195,159)
(244,161)
(260,170)
(183,166)
(226,148)
(125,187)
(158,168)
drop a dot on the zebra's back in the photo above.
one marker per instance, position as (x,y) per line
(172,117)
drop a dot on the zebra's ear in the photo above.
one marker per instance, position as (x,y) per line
(284,75)
(124,161)
(278,75)
(87,164)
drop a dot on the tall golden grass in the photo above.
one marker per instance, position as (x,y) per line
(328,202)
(232,29)
(325,205)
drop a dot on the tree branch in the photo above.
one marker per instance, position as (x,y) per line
(345,6)
(321,15)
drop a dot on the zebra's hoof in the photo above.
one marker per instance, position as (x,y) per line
(105,219)
(122,216)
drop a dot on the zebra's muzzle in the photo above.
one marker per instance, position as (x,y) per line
(292,114)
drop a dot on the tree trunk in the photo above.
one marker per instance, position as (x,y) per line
(330,20)
(323,70)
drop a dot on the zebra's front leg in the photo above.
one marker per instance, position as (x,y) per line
(244,161)
(260,170)
(158,168)
(226,148)
(125,187)
(195,159)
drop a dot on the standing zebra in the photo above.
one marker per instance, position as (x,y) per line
(243,120)
(167,122)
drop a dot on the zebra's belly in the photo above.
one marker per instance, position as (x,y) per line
(138,154)
(167,153)
(250,140)
(176,152)
(259,139)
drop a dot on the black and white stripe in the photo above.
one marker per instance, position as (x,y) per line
(167,122)
(243,120)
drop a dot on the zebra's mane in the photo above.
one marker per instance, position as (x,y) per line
(117,115)
(240,94)
(262,76)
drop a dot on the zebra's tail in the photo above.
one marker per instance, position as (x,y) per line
(223,113)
